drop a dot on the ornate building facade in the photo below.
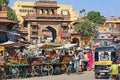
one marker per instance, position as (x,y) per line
(45,20)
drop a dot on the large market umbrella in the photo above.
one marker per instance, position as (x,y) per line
(50,45)
(12,44)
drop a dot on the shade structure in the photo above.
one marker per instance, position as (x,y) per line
(66,46)
(31,47)
(12,44)
(50,45)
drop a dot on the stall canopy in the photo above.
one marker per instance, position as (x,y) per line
(66,46)
(31,46)
(12,44)
(50,45)
(35,46)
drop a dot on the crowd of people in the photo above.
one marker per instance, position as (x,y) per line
(81,58)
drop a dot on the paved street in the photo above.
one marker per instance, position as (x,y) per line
(88,75)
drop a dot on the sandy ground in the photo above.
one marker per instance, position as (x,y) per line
(88,75)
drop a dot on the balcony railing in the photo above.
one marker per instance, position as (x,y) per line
(48,17)
(44,3)
(115,31)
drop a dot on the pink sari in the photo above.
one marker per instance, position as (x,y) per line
(90,60)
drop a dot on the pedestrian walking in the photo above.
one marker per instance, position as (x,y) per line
(70,65)
(114,70)
(81,62)
(85,60)
(76,61)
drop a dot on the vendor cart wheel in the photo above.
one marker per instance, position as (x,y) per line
(37,70)
(33,71)
(50,69)
(57,69)
(23,72)
(15,72)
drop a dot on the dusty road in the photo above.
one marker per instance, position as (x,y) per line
(88,75)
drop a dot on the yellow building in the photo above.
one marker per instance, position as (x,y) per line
(64,8)
(24,8)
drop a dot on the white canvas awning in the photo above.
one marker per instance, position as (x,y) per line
(67,46)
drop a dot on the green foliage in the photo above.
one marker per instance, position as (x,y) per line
(95,17)
(86,28)
(0,5)
(11,15)
(6,1)
(82,10)
(1,1)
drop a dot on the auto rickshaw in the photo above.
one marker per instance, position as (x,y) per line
(103,57)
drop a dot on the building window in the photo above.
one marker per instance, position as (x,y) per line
(52,10)
(34,33)
(102,36)
(34,27)
(64,27)
(109,36)
(65,12)
(25,24)
(26,10)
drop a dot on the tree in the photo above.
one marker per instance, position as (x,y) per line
(11,15)
(83,11)
(86,28)
(96,17)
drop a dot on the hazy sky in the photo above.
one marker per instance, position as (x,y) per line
(107,8)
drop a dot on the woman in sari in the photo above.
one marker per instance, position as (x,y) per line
(90,60)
